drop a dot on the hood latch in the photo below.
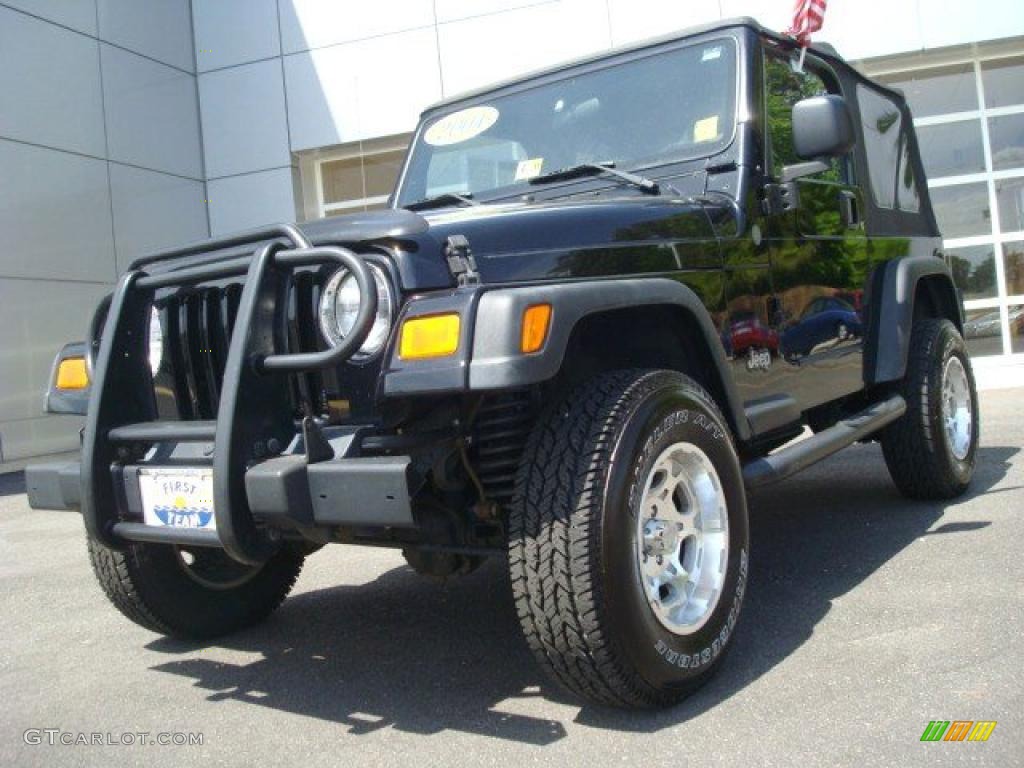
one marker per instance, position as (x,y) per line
(460,260)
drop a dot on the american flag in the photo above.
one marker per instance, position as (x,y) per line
(808,16)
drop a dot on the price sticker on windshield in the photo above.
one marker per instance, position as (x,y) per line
(529,169)
(460,126)
(706,129)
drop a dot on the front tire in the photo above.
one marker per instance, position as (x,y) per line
(192,594)
(628,579)
(931,450)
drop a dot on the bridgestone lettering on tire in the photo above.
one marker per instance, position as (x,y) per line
(573,550)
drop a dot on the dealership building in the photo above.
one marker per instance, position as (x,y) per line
(131,125)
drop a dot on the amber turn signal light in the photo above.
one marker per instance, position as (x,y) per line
(431,336)
(72,374)
(536,320)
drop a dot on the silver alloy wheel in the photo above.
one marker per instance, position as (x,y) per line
(957,410)
(682,538)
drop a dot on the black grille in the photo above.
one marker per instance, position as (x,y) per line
(197,328)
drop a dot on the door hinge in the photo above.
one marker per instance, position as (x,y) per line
(460,260)
(780,198)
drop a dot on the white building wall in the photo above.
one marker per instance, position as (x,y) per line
(283,76)
(100,160)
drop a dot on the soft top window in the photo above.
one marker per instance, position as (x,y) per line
(893,184)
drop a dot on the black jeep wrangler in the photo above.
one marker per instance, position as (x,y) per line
(604,300)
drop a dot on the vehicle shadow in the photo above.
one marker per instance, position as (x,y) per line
(404,653)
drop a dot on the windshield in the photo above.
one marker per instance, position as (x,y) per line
(665,107)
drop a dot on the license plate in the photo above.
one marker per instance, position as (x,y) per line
(178,498)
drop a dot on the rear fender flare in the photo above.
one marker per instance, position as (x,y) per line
(893,290)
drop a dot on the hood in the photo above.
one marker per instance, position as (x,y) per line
(525,241)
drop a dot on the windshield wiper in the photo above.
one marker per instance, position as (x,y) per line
(597,169)
(438,201)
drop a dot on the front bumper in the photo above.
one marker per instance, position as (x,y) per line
(283,492)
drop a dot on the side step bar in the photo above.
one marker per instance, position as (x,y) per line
(788,461)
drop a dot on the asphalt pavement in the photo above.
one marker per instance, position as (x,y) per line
(867,616)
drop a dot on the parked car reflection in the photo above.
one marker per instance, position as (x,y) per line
(825,322)
(744,330)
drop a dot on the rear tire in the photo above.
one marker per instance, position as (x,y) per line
(595,519)
(931,450)
(157,587)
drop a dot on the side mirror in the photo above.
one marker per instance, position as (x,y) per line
(822,127)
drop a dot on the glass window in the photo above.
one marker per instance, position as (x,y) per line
(1004,82)
(1013,267)
(1006,135)
(1016,314)
(342,180)
(362,176)
(983,331)
(1010,196)
(784,88)
(937,91)
(382,171)
(962,210)
(885,142)
(493,149)
(951,149)
(908,197)
(974,271)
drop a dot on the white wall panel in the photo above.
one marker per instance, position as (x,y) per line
(452,10)
(153,211)
(229,32)
(41,436)
(49,85)
(244,121)
(77,14)
(633,20)
(161,29)
(858,30)
(481,50)
(152,114)
(953,22)
(40,317)
(55,215)
(243,202)
(334,97)
(307,24)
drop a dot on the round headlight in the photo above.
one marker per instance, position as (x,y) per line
(156,341)
(339,306)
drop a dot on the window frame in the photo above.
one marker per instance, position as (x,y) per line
(311,171)
(976,56)
(833,84)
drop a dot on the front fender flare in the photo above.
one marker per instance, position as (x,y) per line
(497,362)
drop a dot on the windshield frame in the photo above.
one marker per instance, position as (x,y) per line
(733,36)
